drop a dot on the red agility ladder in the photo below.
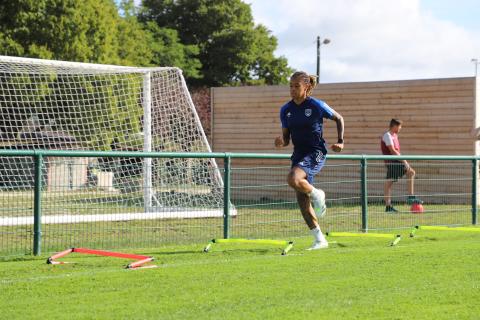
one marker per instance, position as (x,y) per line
(141,260)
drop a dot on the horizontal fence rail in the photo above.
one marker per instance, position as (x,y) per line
(256,201)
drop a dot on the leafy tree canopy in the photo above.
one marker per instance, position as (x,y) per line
(232,49)
(214,42)
(90,31)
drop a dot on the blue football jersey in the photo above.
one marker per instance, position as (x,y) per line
(305,123)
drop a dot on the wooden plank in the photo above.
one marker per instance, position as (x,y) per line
(273,107)
(339,88)
(465,81)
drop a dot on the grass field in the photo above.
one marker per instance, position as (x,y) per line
(433,276)
(252,221)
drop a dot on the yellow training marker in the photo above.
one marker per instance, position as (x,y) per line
(288,244)
(443,228)
(396,238)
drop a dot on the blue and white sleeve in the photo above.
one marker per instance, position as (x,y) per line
(325,109)
(283,117)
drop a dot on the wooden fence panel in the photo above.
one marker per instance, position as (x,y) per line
(438,117)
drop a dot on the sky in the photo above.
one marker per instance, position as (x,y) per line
(375,40)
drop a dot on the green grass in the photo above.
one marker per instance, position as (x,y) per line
(433,276)
(255,221)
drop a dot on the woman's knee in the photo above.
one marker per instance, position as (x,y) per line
(293,180)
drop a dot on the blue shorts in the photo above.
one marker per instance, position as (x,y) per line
(312,163)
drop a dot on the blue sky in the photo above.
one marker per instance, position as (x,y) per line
(464,13)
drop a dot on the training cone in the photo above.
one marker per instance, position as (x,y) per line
(416,208)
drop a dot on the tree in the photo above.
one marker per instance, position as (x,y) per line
(267,67)
(149,45)
(231,48)
(61,29)
(90,31)
(167,50)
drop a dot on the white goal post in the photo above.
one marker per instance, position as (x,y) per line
(47,104)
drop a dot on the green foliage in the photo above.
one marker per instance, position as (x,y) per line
(62,29)
(84,31)
(167,50)
(90,31)
(214,42)
(431,277)
(232,49)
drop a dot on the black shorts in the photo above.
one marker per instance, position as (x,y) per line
(395,170)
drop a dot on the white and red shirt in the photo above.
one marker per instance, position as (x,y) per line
(390,139)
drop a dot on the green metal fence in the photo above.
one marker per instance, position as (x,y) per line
(257,202)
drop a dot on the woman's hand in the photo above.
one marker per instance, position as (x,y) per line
(337,147)
(279,143)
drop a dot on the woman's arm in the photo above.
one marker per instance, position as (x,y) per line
(337,117)
(284,139)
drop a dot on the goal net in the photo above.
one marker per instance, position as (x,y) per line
(59,105)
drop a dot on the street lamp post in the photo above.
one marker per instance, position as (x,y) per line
(319,43)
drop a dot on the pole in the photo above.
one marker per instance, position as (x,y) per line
(318,59)
(147,142)
(364,194)
(203,136)
(319,44)
(226,197)
(474,190)
(37,204)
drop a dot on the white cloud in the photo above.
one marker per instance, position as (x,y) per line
(371,39)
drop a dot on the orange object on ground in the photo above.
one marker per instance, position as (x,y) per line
(141,259)
(416,208)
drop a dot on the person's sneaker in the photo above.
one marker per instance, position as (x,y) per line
(414,199)
(319,205)
(318,245)
(390,209)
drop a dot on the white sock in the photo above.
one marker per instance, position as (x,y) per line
(311,194)
(318,235)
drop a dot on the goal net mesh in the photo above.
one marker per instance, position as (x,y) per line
(54,105)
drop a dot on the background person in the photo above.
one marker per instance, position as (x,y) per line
(396,169)
(302,121)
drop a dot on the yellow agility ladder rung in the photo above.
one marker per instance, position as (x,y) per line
(288,244)
(443,228)
(396,238)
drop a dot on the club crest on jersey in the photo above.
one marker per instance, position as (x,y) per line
(308,112)
(288,115)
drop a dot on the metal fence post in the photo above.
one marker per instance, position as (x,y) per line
(37,204)
(364,194)
(474,190)
(226,196)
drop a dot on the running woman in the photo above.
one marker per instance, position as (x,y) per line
(390,145)
(302,121)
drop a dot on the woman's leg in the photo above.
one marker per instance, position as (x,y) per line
(307,210)
(297,179)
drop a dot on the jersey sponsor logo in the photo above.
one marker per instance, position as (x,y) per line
(288,115)
(308,112)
